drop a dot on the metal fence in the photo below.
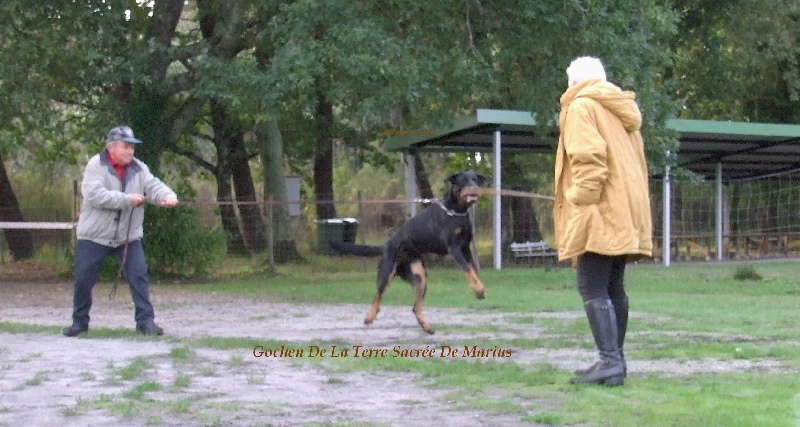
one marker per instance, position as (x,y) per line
(365,221)
(761,220)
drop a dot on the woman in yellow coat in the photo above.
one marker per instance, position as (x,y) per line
(602,205)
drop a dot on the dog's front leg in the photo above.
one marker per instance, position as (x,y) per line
(464,260)
(475,282)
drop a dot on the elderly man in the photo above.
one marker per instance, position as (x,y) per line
(115,185)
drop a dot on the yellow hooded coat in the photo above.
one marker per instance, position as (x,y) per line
(602,201)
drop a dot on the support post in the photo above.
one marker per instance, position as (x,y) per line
(498,239)
(667,242)
(719,212)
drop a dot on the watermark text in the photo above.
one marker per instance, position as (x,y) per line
(360,351)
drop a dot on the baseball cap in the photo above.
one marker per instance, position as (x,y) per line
(122,133)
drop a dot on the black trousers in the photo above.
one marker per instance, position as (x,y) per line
(601,276)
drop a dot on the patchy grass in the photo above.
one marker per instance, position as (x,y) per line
(135,369)
(686,315)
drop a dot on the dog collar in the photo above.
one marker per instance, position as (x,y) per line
(449,212)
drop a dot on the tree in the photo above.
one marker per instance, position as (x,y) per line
(350,65)
(40,68)
(529,45)
(271,158)
(229,30)
(131,62)
(154,70)
(738,60)
(19,241)
(224,83)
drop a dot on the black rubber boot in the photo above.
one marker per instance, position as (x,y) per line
(621,311)
(149,327)
(603,322)
(75,329)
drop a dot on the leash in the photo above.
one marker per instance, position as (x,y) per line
(513,193)
(478,191)
(120,273)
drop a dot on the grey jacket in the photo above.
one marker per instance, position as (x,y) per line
(106,208)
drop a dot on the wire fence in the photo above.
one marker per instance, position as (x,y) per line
(758,218)
(761,219)
(368,222)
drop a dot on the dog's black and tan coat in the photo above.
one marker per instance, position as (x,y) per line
(442,228)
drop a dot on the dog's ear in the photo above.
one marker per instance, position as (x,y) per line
(452,178)
(482,179)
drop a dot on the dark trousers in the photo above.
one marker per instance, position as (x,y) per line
(89,258)
(601,276)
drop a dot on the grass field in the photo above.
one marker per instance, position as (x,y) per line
(692,314)
(709,344)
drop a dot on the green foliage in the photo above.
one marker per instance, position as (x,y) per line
(746,272)
(68,69)
(60,260)
(739,60)
(178,244)
(52,200)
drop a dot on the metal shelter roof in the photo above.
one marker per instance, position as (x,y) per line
(745,150)
(475,133)
(737,150)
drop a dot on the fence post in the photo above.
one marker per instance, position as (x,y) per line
(270,233)
(362,239)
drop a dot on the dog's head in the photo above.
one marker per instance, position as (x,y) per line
(464,186)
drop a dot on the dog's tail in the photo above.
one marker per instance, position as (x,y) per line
(353,249)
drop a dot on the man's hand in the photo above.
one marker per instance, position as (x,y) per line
(169,202)
(137,200)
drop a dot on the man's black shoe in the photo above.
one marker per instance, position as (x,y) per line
(74,330)
(150,328)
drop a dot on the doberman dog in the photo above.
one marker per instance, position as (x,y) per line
(442,228)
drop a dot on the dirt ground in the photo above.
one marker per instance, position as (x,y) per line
(49,379)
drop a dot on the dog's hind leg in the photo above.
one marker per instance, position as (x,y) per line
(419,280)
(386,272)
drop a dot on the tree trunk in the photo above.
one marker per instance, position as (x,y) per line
(270,141)
(323,159)
(285,246)
(518,211)
(423,182)
(235,241)
(255,233)
(19,241)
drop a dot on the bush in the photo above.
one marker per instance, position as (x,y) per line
(178,244)
(746,272)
